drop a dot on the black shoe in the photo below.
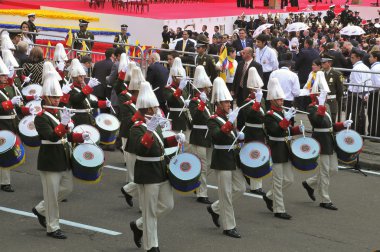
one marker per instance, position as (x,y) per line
(7,188)
(284,216)
(268,202)
(57,234)
(204,200)
(154,249)
(137,234)
(128,198)
(329,206)
(310,191)
(215,216)
(41,218)
(232,233)
(64,200)
(259,191)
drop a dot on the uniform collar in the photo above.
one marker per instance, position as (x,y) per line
(2,86)
(77,85)
(221,113)
(52,111)
(357,63)
(275,108)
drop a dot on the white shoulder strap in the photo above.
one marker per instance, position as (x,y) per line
(157,136)
(5,97)
(224,122)
(278,116)
(87,101)
(52,117)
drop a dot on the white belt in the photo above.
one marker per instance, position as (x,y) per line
(331,96)
(150,159)
(223,147)
(323,129)
(8,117)
(177,109)
(254,125)
(280,139)
(63,141)
(200,127)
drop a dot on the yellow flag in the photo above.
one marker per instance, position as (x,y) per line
(84,48)
(47,52)
(69,38)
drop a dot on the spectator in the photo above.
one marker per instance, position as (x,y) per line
(230,69)
(304,60)
(373,103)
(204,30)
(87,65)
(35,65)
(20,53)
(167,34)
(164,54)
(241,43)
(28,38)
(100,71)
(185,45)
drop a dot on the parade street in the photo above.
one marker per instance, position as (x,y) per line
(354,227)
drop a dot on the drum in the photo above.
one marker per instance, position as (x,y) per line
(305,153)
(88,160)
(184,172)
(12,153)
(31,90)
(36,104)
(28,132)
(108,126)
(348,145)
(95,111)
(255,160)
(92,131)
(171,151)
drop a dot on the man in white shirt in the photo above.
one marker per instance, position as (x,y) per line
(289,82)
(373,103)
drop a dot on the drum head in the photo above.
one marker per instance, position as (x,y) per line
(305,148)
(88,155)
(32,89)
(92,131)
(107,122)
(254,154)
(171,150)
(26,126)
(185,166)
(7,140)
(36,104)
(349,141)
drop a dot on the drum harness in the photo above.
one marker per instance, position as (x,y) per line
(256,125)
(204,127)
(181,109)
(7,116)
(224,147)
(152,159)
(63,140)
(280,139)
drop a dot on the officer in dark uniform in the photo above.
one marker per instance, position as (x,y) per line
(204,59)
(330,15)
(357,19)
(122,37)
(32,26)
(344,15)
(83,33)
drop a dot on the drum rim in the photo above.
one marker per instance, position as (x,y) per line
(295,140)
(2,152)
(29,87)
(105,114)
(81,146)
(350,130)
(256,142)
(188,153)
(90,126)
(20,123)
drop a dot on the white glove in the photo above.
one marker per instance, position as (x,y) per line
(347,123)
(180,137)
(182,84)
(125,69)
(290,114)
(93,82)
(11,71)
(61,65)
(66,88)
(187,102)
(108,103)
(70,126)
(32,110)
(36,97)
(66,116)
(233,115)
(302,128)
(259,95)
(27,79)
(86,136)
(152,124)
(322,98)
(241,135)
(16,100)
(203,97)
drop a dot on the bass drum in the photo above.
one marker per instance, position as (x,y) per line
(255,160)
(170,151)
(12,153)
(349,144)
(92,131)
(305,153)
(32,90)
(184,172)
(36,104)
(88,160)
(108,126)
(28,132)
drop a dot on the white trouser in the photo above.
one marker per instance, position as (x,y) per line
(255,183)
(157,200)
(328,166)
(231,186)
(56,187)
(123,144)
(5,176)
(131,187)
(187,136)
(204,155)
(282,178)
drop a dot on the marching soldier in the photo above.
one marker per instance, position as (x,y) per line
(231,182)
(122,37)
(83,34)
(203,58)
(200,110)
(54,164)
(124,76)
(277,124)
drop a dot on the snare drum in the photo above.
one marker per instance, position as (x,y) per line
(170,151)
(348,145)
(92,131)
(255,160)
(28,132)
(305,153)
(32,90)
(88,160)
(12,153)
(108,126)
(36,104)
(184,172)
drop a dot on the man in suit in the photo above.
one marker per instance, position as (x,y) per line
(185,45)
(158,76)
(304,61)
(241,43)
(240,81)
(335,55)
(100,71)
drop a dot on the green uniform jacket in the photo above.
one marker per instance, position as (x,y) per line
(208,63)
(335,81)
(200,113)
(7,94)
(178,122)
(79,100)
(127,110)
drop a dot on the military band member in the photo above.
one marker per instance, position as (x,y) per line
(83,34)
(59,59)
(231,182)
(122,37)
(200,110)
(323,128)
(155,191)
(203,58)
(54,164)
(277,125)
(124,76)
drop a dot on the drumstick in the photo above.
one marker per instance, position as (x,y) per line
(167,119)
(125,85)
(22,85)
(197,89)
(157,88)
(236,138)
(72,110)
(251,101)
(262,89)
(303,131)
(303,112)
(111,107)
(184,106)
(178,146)
(90,137)
(349,118)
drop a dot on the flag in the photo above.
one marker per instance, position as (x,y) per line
(223,61)
(142,51)
(69,38)
(47,52)
(84,48)
(137,43)
(127,50)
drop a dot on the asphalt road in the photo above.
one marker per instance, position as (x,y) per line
(354,227)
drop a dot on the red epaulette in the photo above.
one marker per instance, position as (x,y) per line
(195,99)
(41,112)
(248,99)
(270,112)
(124,92)
(138,123)
(213,116)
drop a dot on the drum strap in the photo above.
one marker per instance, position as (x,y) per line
(224,122)
(327,114)
(52,117)
(278,116)
(86,100)
(206,109)
(157,136)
